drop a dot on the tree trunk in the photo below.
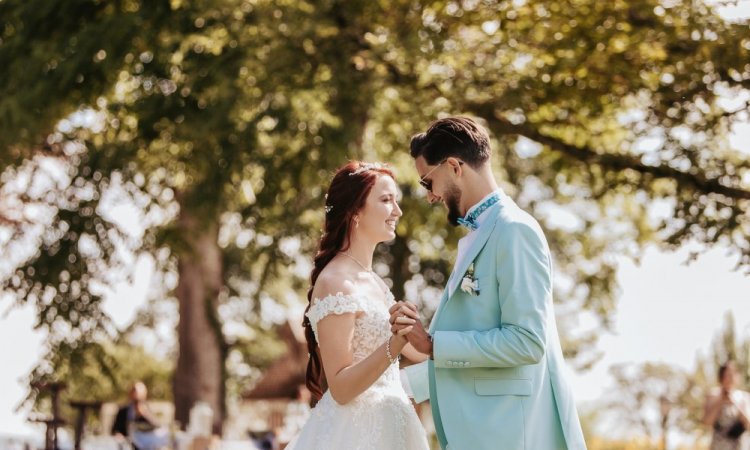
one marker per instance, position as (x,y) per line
(199,375)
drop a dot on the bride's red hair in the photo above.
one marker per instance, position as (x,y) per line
(346,195)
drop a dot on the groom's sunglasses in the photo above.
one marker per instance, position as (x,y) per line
(427,184)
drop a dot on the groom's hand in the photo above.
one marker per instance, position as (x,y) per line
(401,324)
(402,317)
(402,312)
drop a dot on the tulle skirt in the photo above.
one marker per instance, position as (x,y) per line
(375,420)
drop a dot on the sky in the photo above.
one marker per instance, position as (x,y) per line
(667,312)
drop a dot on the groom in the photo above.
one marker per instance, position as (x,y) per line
(495,376)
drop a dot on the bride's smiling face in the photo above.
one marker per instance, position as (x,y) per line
(379,216)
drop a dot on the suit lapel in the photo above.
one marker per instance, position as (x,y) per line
(471,253)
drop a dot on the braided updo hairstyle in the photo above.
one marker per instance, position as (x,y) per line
(346,196)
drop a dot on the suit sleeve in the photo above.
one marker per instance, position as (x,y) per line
(525,295)
(419,382)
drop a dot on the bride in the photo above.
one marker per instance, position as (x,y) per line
(353,372)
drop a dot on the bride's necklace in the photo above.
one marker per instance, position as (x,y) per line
(357,261)
(370,271)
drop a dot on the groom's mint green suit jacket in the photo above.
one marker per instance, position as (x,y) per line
(498,379)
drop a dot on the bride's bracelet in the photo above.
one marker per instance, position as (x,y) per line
(388,353)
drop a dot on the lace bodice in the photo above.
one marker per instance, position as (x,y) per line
(380,418)
(371,329)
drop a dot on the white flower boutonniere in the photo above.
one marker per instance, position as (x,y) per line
(469,284)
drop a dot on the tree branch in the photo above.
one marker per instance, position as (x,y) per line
(584,154)
(609,161)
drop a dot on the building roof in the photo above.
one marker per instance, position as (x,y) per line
(284,377)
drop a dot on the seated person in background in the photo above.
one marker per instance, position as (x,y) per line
(264,440)
(135,422)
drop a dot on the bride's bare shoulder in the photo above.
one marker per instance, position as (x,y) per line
(333,280)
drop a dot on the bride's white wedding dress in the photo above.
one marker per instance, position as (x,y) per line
(380,418)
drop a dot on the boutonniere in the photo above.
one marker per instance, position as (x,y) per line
(469,284)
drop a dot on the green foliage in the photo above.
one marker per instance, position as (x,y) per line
(98,372)
(647,399)
(640,393)
(608,121)
(600,443)
(729,346)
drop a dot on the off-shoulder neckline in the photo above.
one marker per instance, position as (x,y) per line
(388,296)
(338,294)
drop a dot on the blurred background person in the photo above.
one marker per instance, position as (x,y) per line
(135,423)
(727,410)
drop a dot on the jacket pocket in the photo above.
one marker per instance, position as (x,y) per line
(502,386)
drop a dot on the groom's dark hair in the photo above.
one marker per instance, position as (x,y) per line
(459,137)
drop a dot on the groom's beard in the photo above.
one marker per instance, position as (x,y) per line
(452,200)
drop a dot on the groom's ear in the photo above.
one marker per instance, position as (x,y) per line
(456,165)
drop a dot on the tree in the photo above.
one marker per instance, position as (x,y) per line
(85,379)
(222,119)
(728,345)
(654,398)
(647,399)
(213,92)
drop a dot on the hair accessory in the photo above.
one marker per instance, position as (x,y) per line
(329,208)
(369,166)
